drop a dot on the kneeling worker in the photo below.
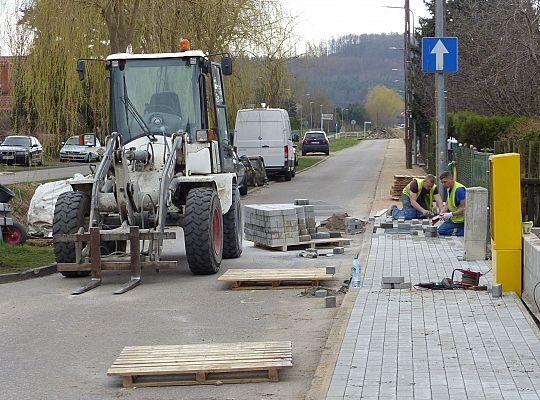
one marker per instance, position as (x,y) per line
(417,198)
(453,212)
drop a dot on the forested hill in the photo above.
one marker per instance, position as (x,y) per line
(347,67)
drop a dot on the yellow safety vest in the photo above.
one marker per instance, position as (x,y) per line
(428,196)
(451,196)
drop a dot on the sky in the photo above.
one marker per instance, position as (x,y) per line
(323,19)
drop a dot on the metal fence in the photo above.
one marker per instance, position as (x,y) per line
(471,166)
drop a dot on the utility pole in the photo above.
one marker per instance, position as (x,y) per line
(441,102)
(406,69)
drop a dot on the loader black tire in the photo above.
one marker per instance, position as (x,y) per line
(203,231)
(70,213)
(232,227)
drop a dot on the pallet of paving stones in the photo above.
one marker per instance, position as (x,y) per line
(400,181)
(202,364)
(271,278)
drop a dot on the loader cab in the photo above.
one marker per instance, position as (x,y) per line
(160,94)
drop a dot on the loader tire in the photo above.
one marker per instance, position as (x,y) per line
(70,212)
(232,227)
(203,231)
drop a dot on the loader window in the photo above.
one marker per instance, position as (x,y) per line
(157,96)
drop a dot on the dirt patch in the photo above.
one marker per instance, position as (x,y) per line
(335,223)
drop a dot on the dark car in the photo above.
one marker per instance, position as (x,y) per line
(315,142)
(241,174)
(24,150)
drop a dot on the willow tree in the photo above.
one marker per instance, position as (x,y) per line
(57,105)
(383,105)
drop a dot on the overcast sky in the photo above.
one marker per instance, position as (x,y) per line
(322,19)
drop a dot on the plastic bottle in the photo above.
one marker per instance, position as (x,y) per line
(356,272)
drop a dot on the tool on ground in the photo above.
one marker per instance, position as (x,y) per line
(469,280)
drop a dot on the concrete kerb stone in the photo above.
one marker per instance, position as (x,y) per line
(28,274)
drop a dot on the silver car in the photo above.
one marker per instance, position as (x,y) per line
(83,148)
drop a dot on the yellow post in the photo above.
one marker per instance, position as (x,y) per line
(505,210)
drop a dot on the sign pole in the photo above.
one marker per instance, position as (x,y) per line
(441,102)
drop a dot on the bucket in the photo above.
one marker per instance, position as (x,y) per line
(526,227)
(5,194)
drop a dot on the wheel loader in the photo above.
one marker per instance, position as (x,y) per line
(168,163)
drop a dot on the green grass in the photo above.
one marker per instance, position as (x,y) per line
(342,143)
(307,161)
(335,145)
(23,257)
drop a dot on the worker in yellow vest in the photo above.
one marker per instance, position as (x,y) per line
(417,199)
(453,212)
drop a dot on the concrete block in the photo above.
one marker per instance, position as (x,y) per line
(330,302)
(476,224)
(404,226)
(330,270)
(339,250)
(404,285)
(301,202)
(392,279)
(321,293)
(387,225)
(387,286)
(322,235)
(303,231)
(312,231)
(335,234)
(304,238)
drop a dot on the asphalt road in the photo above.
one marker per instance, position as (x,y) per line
(58,346)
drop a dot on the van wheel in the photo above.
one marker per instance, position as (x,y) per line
(293,172)
(288,176)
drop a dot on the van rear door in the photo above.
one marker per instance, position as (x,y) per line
(247,137)
(273,138)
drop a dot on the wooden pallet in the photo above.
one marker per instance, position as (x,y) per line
(311,244)
(201,364)
(275,278)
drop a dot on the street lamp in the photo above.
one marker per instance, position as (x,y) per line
(406,69)
(310,115)
(342,120)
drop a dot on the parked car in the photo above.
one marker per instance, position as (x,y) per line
(266,133)
(315,142)
(24,150)
(241,174)
(84,148)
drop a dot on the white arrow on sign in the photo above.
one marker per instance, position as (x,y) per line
(439,50)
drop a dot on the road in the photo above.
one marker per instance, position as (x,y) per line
(42,174)
(60,346)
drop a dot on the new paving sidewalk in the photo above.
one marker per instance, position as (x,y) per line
(422,344)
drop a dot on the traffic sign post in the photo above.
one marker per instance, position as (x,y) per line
(439,54)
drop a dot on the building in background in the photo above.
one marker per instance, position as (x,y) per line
(6,73)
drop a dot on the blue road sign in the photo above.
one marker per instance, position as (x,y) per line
(439,54)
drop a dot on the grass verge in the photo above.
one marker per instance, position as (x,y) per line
(23,257)
(335,145)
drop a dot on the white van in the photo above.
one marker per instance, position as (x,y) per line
(266,132)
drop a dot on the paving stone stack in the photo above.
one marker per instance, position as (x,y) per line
(415,227)
(400,181)
(271,224)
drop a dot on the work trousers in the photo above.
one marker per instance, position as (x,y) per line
(449,228)
(408,211)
